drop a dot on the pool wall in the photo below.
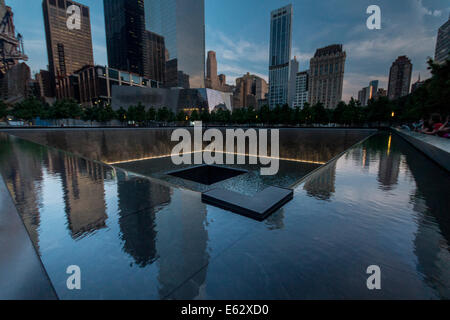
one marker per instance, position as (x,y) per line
(121,145)
(436,148)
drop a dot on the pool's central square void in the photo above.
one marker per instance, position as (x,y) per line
(207,174)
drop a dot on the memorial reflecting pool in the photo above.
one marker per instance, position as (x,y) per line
(136,236)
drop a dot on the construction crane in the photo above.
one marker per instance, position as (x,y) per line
(11,46)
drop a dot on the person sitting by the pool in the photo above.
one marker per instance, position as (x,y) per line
(444,130)
(417,126)
(433,125)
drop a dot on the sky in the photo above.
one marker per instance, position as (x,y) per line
(239,32)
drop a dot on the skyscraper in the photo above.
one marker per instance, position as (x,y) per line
(443,43)
(301,89)
(368,93)
(156,53)
(327,76)
(293,70)
(125,35)
(68,50)
(211,71)
(182,24)
(400,78)
(279,55)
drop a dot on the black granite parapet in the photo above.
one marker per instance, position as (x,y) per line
(258,207)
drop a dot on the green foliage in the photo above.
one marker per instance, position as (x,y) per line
(65,109)
(151,114)
(165,115)
(3,109)
(181,116)
(28,109)
(121,114)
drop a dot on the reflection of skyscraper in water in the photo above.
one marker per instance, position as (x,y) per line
(432,205)
(321,185)
(139,201)
(389,168)
(182,246)
(23,176)
(84,194)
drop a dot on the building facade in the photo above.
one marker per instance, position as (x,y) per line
(93,85)
(301,89)
(400,78)
(67,50)
(249,89)
(368,93)
(182,24)
(443,43)
(125,36)
(156,52)
(280,55)
(327,76)
(293,70)
(212,80)
(175,99)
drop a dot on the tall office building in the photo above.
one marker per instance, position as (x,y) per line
(327,76)
(156,53)
(212,79)
(68,50)
(443,43)
(182,24)
(279,55)
(125,36)
(301,89)
(368,93)
(400,78)
(293,70)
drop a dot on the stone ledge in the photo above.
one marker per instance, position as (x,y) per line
(258,207)
(436,148)
(22,275)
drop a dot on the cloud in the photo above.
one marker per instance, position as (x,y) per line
(238,49)
(428,12)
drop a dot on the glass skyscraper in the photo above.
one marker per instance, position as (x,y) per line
(125,35)
(182,24)
(280,54)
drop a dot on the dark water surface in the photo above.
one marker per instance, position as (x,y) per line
(381,203)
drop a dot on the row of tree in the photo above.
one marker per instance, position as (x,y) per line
(432,97)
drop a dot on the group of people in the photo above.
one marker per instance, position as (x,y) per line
(434,126)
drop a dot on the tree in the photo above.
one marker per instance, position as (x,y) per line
(181,116)
(141,115)
(195,116)
(151,114)
(121,114)
(204,115)
(65,109)
(28,109)
(319,114)
(306,114)
(3,109)
(163,114)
